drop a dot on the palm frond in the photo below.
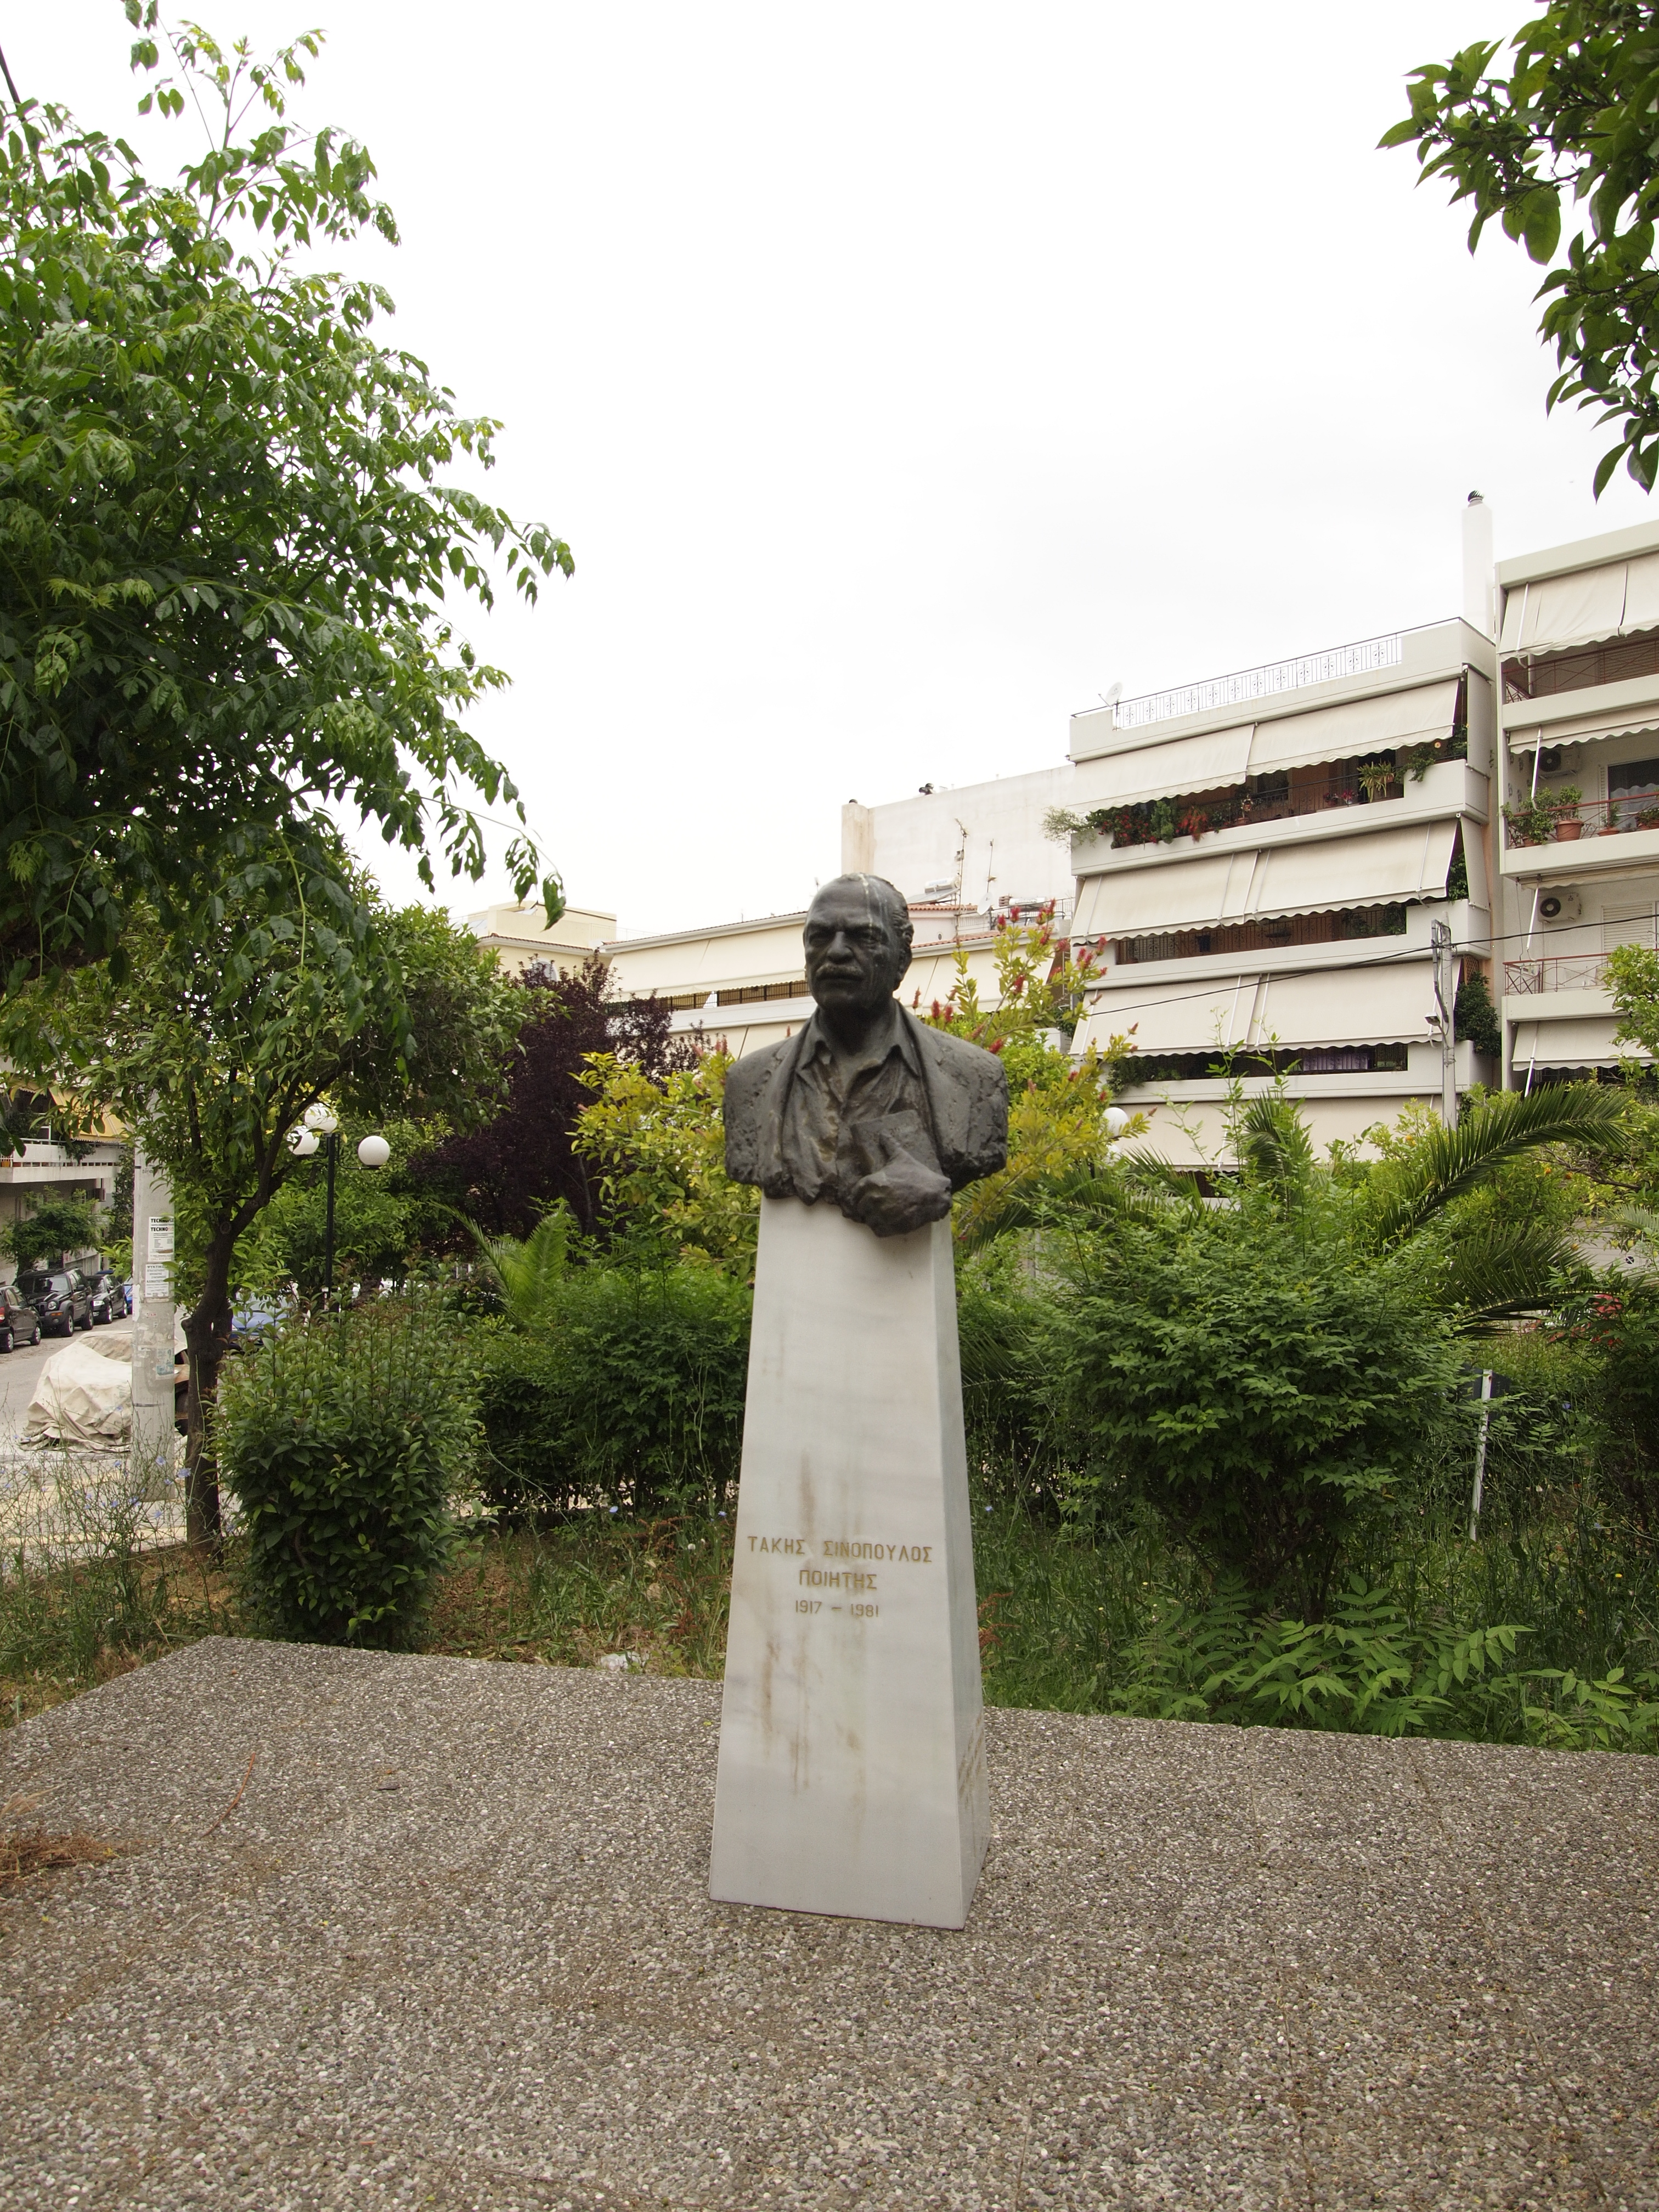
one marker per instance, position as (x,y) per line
(1275,1146)
(1143,1188)
(1444,1163)
(1503,1270)
(526,1271)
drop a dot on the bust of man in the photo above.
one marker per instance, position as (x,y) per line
(865,1106)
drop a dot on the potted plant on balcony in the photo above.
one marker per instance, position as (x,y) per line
(1376,777)
(1564,806)
(1612,825)
(1194,822)
(1647,817)
(1529,823)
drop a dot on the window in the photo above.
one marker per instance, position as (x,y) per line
(1343,928)
(1633,779)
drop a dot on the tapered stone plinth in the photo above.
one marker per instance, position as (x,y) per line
(852,1765)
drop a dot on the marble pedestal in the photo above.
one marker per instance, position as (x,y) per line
(852,1764)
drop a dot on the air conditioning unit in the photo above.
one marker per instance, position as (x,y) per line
(1560,904)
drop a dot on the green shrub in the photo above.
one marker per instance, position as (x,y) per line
(345,1441)
(1255,1377)
(1012,1442)
(630,1394)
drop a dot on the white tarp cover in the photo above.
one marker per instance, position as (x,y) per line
(1206,763)
(1415,717)
(1584,729)
(1583,609)
(84,1396)
(1374,868)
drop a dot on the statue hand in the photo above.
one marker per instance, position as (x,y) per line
(900,1195)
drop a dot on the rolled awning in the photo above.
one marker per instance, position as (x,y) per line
(1583,609)
(1215,758)
(1416,717)
(1376,868)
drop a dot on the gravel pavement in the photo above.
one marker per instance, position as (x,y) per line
(452,1944)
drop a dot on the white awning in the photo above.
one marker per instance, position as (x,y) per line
(1585,729)
(1380,1002)
(1129,902)
(1583,609)
(1372,869)
(1363,725)
(1214,759)
(1384,1003)
(1586,1042)
(1172,1017)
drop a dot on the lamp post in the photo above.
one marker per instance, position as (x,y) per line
(320,1124)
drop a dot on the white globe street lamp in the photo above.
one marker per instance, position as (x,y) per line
(1117,1122)
(373,1151)
(321,1118)
(303,1143)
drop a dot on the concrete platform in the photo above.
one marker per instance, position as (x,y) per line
(453,1946)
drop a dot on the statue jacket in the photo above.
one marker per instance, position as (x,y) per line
(967,1101)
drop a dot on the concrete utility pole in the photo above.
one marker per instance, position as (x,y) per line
(1445,993)
(152,1310)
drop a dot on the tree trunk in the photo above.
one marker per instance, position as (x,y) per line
(207,1334)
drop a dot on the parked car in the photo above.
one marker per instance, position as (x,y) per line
(253,1321)
(19,1322)
(110,1301)
(60,1297)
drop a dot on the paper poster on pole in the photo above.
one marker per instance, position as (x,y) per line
(161,1238)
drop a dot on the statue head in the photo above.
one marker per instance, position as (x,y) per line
(858,944)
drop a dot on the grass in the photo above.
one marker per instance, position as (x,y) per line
(655,1590)
(1072,1618)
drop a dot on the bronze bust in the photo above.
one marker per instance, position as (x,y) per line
(865,1106)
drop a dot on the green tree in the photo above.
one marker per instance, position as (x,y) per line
(228,555)
(50,1228)
(214,1046)
(1633,979)
(1566,122)
(1250,1375)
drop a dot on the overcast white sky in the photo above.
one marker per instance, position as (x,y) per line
(903,376)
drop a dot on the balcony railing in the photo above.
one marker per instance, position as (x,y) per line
(1544,821)
(1562,971)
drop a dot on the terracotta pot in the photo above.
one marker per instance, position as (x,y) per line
(1610,829)
(1567,832)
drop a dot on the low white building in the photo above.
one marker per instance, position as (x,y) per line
(519,935)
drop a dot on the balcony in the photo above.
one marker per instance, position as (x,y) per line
(1544,821)
(1556,971)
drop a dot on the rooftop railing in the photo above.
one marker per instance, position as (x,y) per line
(1237,689)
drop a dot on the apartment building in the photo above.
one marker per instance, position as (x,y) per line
(1578,738)
(1264,861)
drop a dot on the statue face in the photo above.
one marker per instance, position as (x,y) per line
(854,957)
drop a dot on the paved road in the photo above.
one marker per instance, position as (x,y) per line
(20,1372)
